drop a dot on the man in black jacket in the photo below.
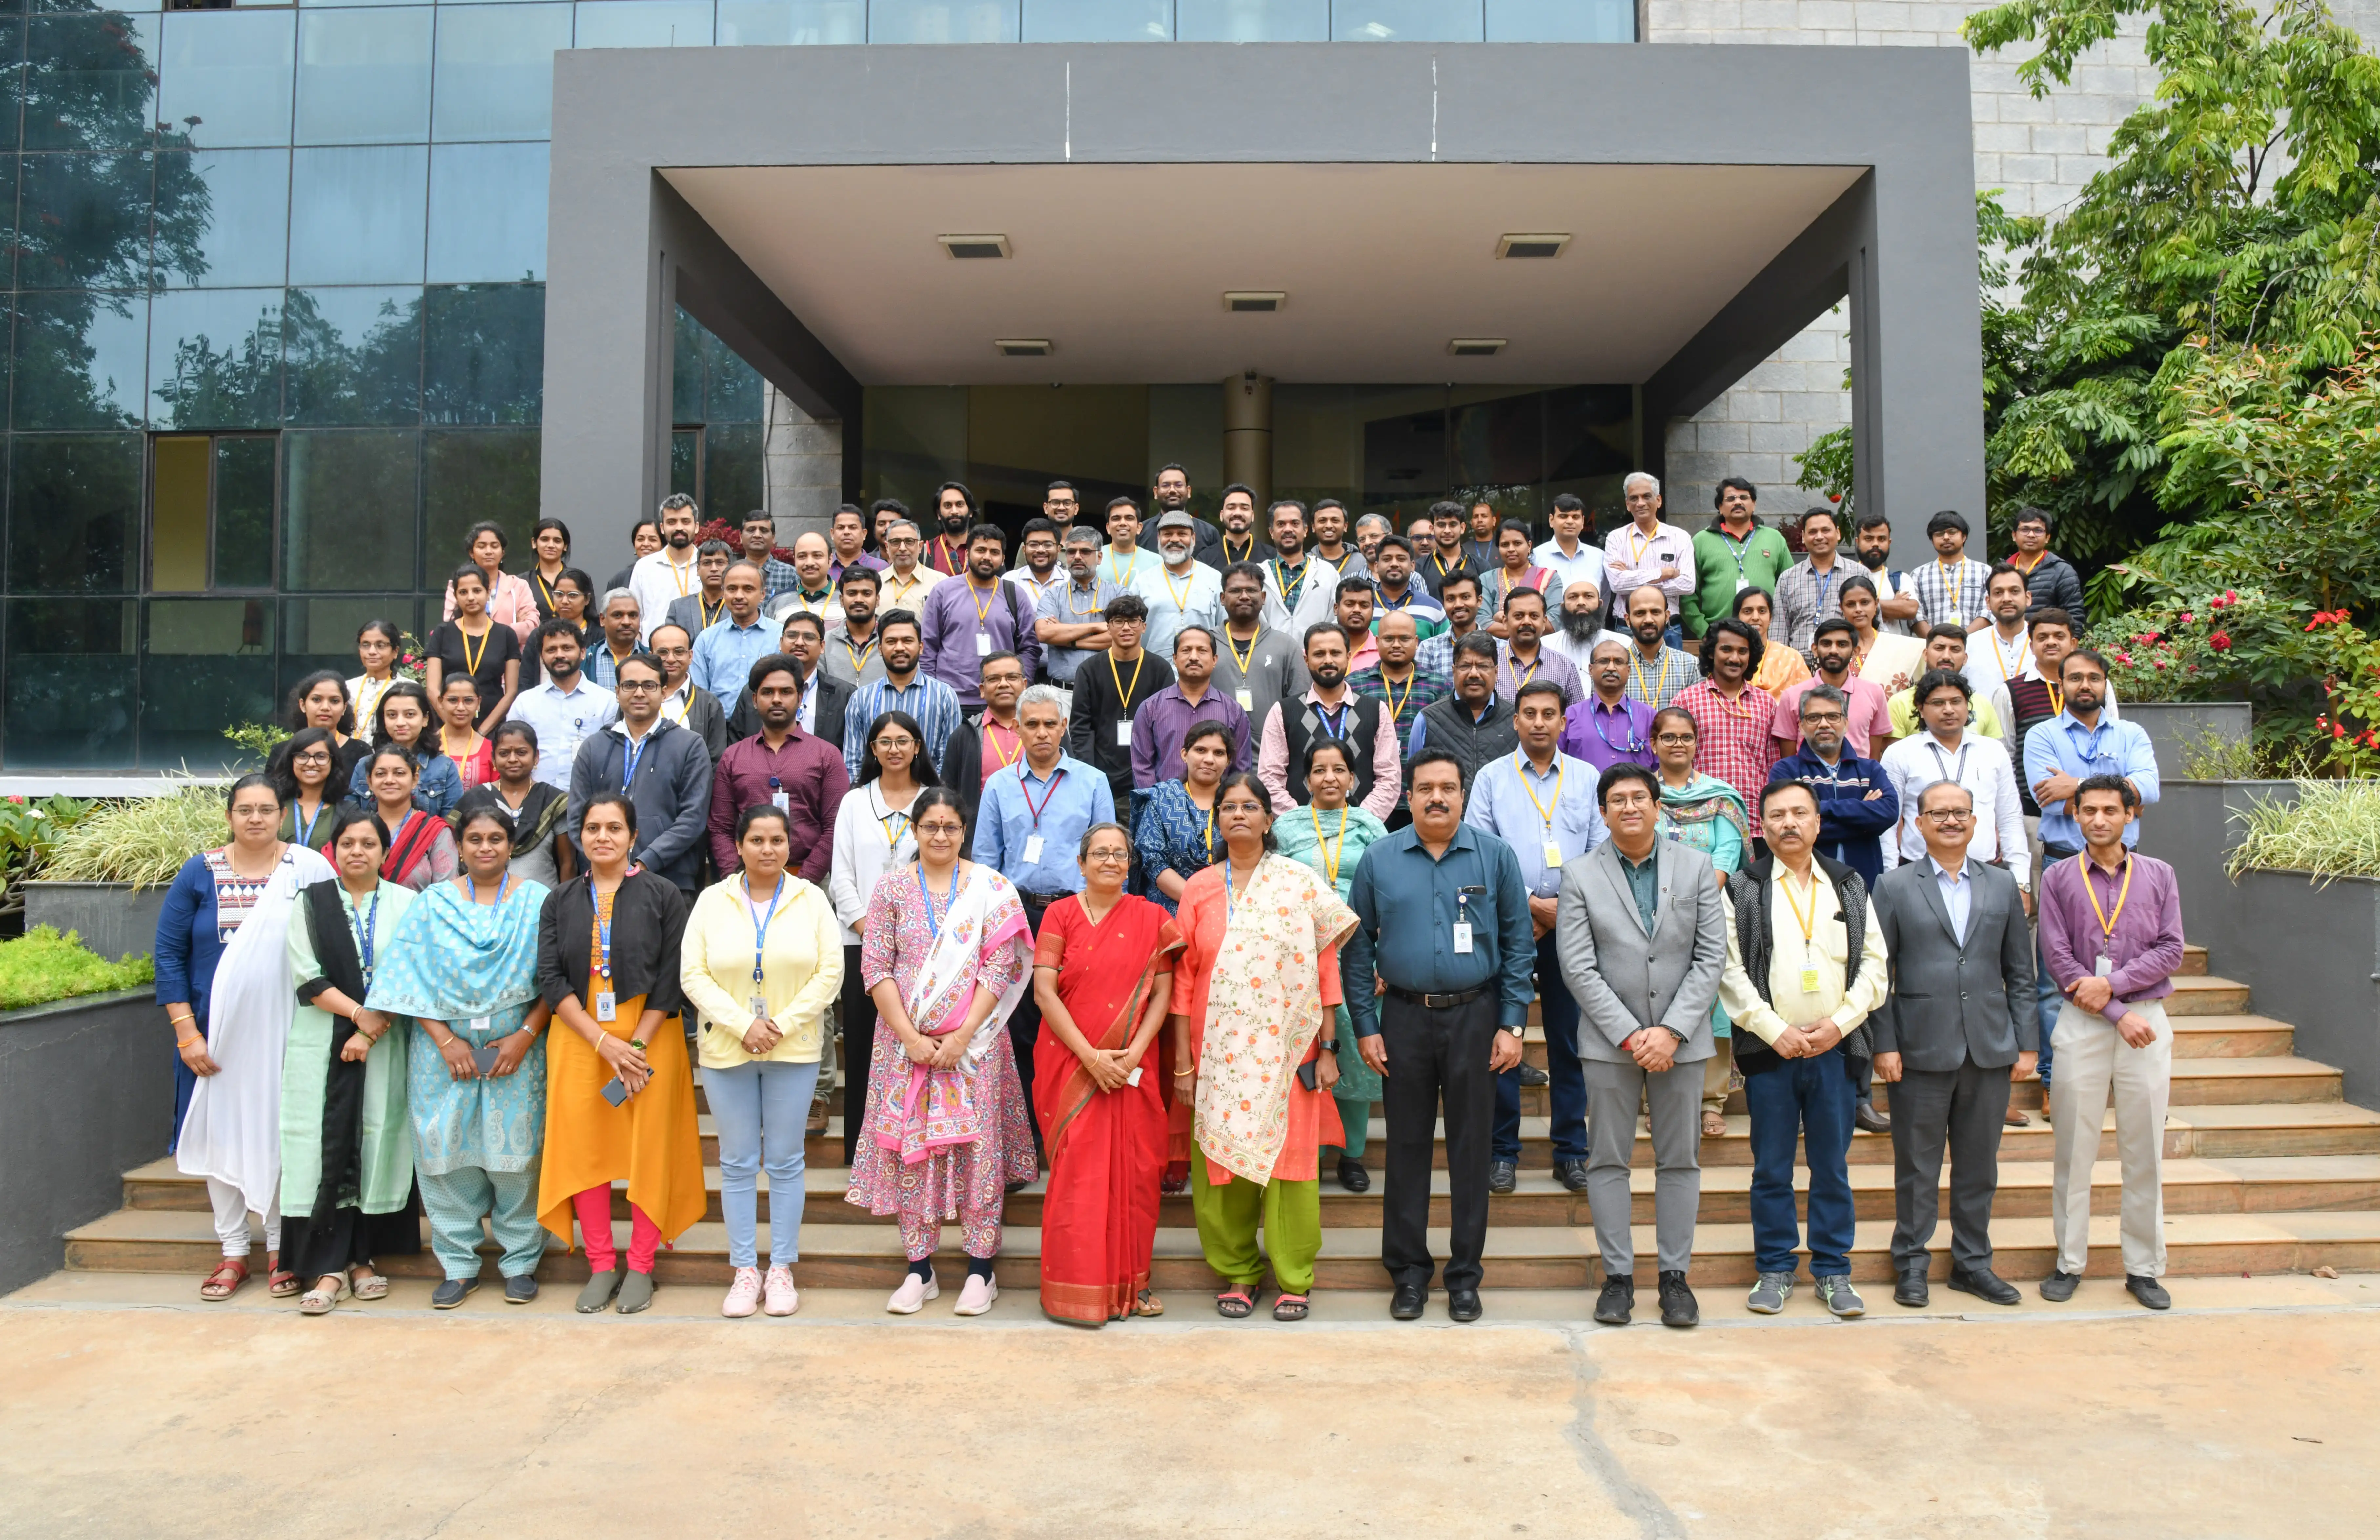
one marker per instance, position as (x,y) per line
(1474,723)
(2049,578)
(663,768)
(1108,688)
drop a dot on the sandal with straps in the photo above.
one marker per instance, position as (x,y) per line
(373,1285)
(319,1300)
(1292,1307)
(1146,1304)
(279,1282)
(1237,1303)
(225,1281)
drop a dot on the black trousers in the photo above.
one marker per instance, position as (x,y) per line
(1025,1025)
(858,1012)
(1961,1111)
(1433,1054)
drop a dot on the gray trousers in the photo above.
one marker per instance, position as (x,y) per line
(1674,1098)
(1960,1109)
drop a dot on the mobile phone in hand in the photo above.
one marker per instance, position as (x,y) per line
(616,1091)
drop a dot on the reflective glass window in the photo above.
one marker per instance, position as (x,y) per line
(231,220)
(82,360)
(363,75)
(644,24)
(483,354)
(351,357)
(942,22)
(74,513)
(1098,20)
(89,81)
(474,474)
(214,359)
(206,662)
(734,475)
(1406,20)
(685,458)
(9,166)
(350,507)
(1561,21)
(495,70)
(320,633)
(71,689)
(486,213)
(84,220)
(12,79)
(210,501)
(224,78)
(245,467)
(355,215)
(1252,20)
(689,344)
(792,21)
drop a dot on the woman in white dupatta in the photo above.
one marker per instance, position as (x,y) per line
(946,956)
(231,1134)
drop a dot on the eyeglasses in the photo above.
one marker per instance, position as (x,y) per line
(637,686)
(1674,738)
(1948,815)
(1808,717)
(1108,855)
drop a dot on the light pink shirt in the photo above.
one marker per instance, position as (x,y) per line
(1388,762)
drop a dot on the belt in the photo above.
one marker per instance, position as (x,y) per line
(1436,1002)
(1041,900)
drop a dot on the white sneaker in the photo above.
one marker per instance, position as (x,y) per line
(912,1294)
(743,1294)
(784,1298)
(976,1297)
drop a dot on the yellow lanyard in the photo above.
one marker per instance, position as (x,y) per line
(1330,851)
(1189,584)
(2106,920)
(1521,763)
(707,612)
(368,696)
(858,655)
(1008,757)
(1807,921)
(1638,543)
(2027,571)
(1520,679)
(542,585)
(1095,608)
(1730,708)
(980,598)
(679,575)
(1247,551)
(472,659)
(1389,688)
(1241,658)
(1123,696)
(1120,579)
(679,715)
(1209,811)
(1289,591)
(1950,586)
(1636,676)
(2023,646)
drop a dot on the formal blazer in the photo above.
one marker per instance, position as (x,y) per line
(1953,1002)
(1622,976)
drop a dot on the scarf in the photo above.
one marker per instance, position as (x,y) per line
(452,960)
(1704,798)
(931,1108)
(407,844)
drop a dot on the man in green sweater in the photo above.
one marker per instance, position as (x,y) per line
(1737,551)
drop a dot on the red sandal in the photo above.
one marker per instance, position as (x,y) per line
(279,1282)
(1237,1303)
(225,1281)
(1292,1307)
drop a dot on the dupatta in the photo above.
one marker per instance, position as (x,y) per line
(928,1108)
(452,960)
(1701,800)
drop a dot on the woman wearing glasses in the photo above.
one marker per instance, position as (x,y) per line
(872,837)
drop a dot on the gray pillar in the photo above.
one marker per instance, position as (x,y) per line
(804,465)
(1247,434)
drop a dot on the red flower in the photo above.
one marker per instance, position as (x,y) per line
(18,800)
(2228,598)
(2125,657)
(2337,730)
(2220,641)
(2187,617)
(1834,497)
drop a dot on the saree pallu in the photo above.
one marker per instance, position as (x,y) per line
(1107,1149)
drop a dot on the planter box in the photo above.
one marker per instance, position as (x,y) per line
(86,1094)
(2192,829)
(112,919)
(2313,954)
(2173,725)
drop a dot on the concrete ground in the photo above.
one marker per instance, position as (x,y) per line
(130,1407)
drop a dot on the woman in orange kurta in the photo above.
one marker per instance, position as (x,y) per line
(607,961)
(1103,973)
(1781,667)
(1256,989)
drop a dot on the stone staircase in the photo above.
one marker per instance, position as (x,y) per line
(2267,1171)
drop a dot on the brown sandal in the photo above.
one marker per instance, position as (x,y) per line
(1290,1307)
(1714,1126)
(1237,1303)
(1146,1304)
(225,1281)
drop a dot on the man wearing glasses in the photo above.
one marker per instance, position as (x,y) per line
(662,768)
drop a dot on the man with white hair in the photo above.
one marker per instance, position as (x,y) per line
(1648,550)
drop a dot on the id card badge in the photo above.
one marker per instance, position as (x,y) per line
(1032,849)
(2105,967)
(605,1009)
(480,1024)
(759,1008)
(781,801)
(1809,981)
(983,644)
(1741,582)
(1463,938)
(1553,856)
(1247,698)
(1123,735)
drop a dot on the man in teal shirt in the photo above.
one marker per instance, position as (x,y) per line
(1736,553)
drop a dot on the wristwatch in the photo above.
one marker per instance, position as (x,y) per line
(1330,1044)
(1516,1031)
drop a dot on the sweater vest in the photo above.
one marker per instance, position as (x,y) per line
(1301,720)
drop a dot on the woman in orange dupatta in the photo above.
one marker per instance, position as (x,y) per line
(1103,974)
(1259,988)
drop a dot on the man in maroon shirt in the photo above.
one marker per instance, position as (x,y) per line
(799,771)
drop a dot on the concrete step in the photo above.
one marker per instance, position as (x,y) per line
(2193,961)
(2207,995)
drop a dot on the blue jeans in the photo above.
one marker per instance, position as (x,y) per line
(2045,995)
(1809,1101)
(762,1111)
(1559,1011)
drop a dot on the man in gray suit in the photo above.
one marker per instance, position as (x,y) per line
(1959,1026)
(1642,941)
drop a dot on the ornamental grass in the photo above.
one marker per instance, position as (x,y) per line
(2331,830)
(143,842)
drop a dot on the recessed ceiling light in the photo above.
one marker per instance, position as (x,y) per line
(1475,347)
(974,246)
(1531,245)
(1254,300)
(1023,347)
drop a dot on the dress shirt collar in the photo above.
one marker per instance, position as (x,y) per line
(1025,771)
(1947,875)
(1464,840)
(1652,859)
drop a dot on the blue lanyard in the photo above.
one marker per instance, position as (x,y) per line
(1337,730)
(631,751)
(760,921)
(1634,745)
(371,922)
(1737,549)
(501,883)
(602,931)
(1827,586)
(306,830)
(926,894)
(1229,902)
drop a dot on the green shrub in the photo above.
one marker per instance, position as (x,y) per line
(2332,829)
(143,842)
(43,966)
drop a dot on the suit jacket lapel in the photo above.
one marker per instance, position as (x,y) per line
(1932,883)
(1616,876)
(1663,871)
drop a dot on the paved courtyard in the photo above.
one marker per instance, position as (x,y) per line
(2253,1410)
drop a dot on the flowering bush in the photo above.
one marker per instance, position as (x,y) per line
(733,535)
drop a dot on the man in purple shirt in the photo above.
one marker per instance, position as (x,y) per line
(2111,939)
(848,536)
(1161,720)
(963,623)
(799,771)
(1610,727)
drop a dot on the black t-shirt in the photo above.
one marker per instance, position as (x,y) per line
(481,657)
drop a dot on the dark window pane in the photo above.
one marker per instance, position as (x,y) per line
(8,168)
(320,633)
(355,215)
(687,369)
(352,357)
(85,222)
(81,359)
(792,21)
(1587,433)
(244,468)
(1404,460)
(1499,447)
(237,215)
(644,24)
(495,70)
(942,22)
(486,213)
(484,358)
(1561,21)
(686,460)
(1405,20)
(89,81)
(350,509)
(484,474)
(733,392)
(209,663)
(74,513)
(214,359)
(735,478)
(1098,20)
(363,75)
(225,76)
(70,684)
(1252,20)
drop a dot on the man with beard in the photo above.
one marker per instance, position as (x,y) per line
(1392,581)
(1897,612)
(1071,618)
(1575,629)
(1521,659)
(1182,591)
(1329,518)
(1447,555)
(954,516)
(1038,570)
(798,772)
(1239,520)
(668,575)
(1298,588)
(1657,672)
(1480,549)
(905,688)
(1260,665)
(1608,728)
(850,653)
(980,614)
(1329,708)
(1171,492)
(1732,715)
(1458,599)
(1354,612)
(1834,647)
(1473,723)
(1737,551)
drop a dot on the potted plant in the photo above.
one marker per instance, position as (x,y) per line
(106,876)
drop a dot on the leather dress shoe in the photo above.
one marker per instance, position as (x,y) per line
(1353,1177)
(1618,1298)
(2058,1287)
(1570,1171)
(1867,1116)
(1910,1290)
(2148,1291)
(1462,1304)
(1408,1302)
(1532,1076)
(1678,1306)
(1985,1284)
(1504,1175)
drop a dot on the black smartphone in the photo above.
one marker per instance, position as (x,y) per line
(616,1091)
(1308,1072)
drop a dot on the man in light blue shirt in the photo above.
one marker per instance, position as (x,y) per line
(1070,618)
(2083,741)
(1182,591)
(1541,802)
(1958,893)
(729,646)
(565,710)
(1573,558)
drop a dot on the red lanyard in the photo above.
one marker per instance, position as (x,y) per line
(1046,795)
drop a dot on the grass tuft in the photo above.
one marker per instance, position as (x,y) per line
(143,842)
(43,966)
(2331,830)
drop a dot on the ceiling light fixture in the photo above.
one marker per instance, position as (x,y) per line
(1531,245)
(975,246)
(1475,347)
(1254,301)
(1023,347)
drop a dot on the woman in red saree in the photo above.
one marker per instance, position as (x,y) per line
(1103,976)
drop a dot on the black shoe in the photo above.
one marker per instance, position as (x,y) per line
(520,1290)
(1570,1171)
(1619,1297)
(1912,1289)
(1504,1175)
(1354,1177)
(1410,1298)
(1462,1304)
(1532,1076)
(1867,1116)
(450,1293)
(1678,1306)
(1985,1284)
(2149,1292)
(2058,1288)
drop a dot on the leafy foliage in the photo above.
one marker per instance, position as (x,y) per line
(143,841)
(42,965)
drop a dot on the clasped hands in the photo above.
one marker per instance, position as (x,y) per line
(1808,1042)
(937,1053)
(1654,1049)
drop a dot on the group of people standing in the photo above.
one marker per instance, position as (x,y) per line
(1072,908)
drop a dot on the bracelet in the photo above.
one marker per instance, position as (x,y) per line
(185,1042)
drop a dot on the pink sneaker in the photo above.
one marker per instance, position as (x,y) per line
(743,1295)
(976,1297)
(784,1298)
(908,1298)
